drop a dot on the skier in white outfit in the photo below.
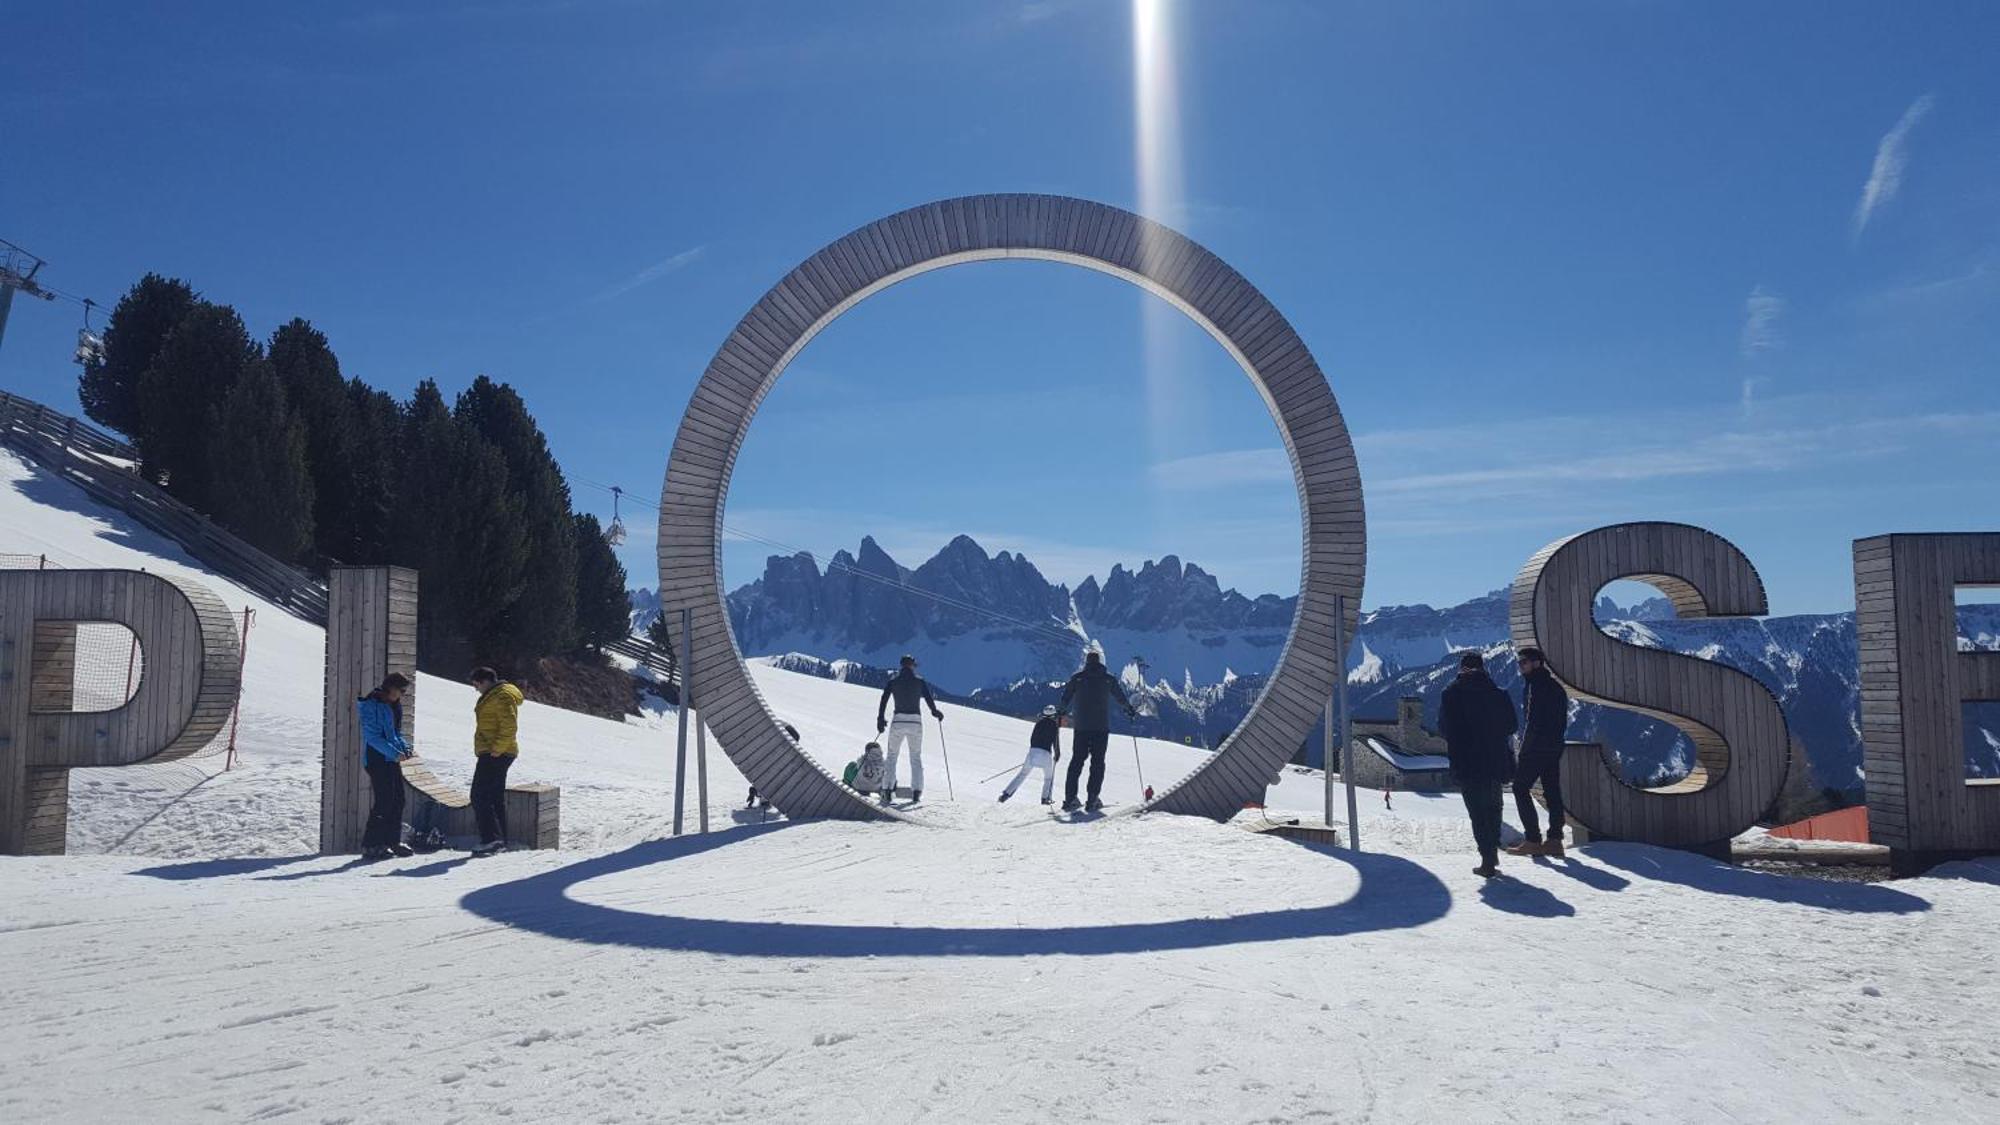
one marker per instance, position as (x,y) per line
(1044,751)
(909,691)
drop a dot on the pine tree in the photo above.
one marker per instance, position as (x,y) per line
(603,606)
(545,620)
(457,520)
(310,373)
(193,372)
(257,461)
(139,325)
(365,532)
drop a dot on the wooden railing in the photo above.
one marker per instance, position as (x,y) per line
(106,469)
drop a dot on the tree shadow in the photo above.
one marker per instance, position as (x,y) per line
(52,490)
(1667,865)
(217,868)
(1394,894)
(1516,897)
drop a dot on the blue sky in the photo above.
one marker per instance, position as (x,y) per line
(1564,264)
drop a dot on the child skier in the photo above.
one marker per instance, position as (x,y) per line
(1044,751)
(868,773)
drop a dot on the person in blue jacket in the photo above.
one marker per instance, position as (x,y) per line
(383,751)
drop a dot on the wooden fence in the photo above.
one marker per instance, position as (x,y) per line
(106,469)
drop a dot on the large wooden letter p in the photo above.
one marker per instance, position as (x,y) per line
(190,654)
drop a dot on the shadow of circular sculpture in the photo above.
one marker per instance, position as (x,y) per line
(1394,894)
(982,228)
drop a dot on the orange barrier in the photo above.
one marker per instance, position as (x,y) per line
(1846,825)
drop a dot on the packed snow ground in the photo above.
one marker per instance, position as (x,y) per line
(994,965)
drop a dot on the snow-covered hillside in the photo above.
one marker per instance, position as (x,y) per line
(616,777)
(995,964)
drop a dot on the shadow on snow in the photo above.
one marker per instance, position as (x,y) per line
(1394,894)
(1700,873)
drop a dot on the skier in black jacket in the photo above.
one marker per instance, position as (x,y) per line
(910,692)
(1044,751)
(1545,708)
(1087,700)
(1477,720)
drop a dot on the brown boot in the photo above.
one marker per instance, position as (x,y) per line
(1553,849)
(1525,847)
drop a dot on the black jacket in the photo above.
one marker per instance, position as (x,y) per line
(908,689)
(1476,719)
(1047,735)
(1546,706)
(1087,698)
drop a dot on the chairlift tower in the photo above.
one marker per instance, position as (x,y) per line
(17,271)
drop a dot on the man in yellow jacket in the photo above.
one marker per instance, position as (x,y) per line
(495,743)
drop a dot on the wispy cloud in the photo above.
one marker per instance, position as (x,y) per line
(1713,450)
(1227,469)
(1760,322)
(1761,311)
(652,273)
(1886,177)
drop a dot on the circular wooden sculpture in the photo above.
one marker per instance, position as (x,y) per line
(981,228)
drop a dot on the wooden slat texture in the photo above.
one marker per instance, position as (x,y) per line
(1742,744)
(986,227)
(1914,684)
(371,631)
(189,643)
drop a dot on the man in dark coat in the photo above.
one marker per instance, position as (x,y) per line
(1477,720)
(1545,708)
(1087,701)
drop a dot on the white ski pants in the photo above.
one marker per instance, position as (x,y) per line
(1038,759)
(906,730)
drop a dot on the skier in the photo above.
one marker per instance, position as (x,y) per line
(908,690)
(1088,697)
(1477,720)
(1544,728)
(495,745)
(383,751)
(1387,789)
(1044,751)
(865,774)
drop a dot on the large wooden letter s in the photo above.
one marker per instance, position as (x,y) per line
(1742,746)
(188,641)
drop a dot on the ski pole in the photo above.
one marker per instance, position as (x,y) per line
(945,749)
(1002,773)
(1141,765)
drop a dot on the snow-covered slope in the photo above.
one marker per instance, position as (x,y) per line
(616,777)
(995,965)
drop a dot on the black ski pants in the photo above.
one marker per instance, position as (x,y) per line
(1088,745)
(385,812)
(1483,801)
(489,795)
(1543,764)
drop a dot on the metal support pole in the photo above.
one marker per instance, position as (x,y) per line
(1346,736)
(701,770)
(1326,756)
(681,752)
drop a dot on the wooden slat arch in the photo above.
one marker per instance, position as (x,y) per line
(1742,745)
(985,228)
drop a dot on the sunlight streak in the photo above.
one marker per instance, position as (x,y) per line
(1161,192)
